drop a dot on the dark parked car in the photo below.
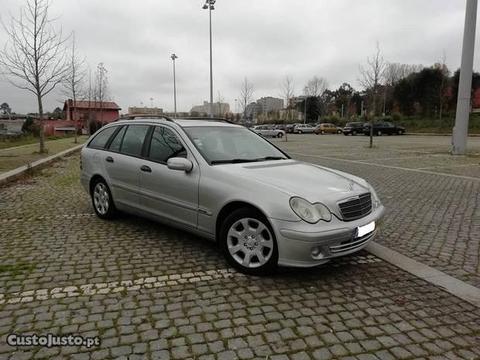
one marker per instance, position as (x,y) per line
(289,128)
(353,128)
(383,128)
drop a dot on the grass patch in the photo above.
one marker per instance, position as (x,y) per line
(16,269)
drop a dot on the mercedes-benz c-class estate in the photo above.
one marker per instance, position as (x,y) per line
(225,182)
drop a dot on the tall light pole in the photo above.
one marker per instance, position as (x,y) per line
(173,57)
(209,5)
(460,131)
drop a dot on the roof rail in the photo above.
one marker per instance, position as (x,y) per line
(145,116)
(209,119)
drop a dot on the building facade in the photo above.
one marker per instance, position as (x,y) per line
(155,111)
(268,104)
(83,111)
(219,109)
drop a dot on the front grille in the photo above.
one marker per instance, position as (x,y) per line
(356,208)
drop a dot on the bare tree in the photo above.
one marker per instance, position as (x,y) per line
(34,57)
(288,89)
(394,72)
(445,73)
(73,85)
(101,88)
(371,77)
(316,86)
(246,94)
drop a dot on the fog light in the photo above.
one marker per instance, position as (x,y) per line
(317,253)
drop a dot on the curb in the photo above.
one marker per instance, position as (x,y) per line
(438,278)
(437,134)
(14,174)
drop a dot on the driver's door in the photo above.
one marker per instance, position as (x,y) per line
(169,194)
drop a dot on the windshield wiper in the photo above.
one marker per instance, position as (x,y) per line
(271,158)
(232,161)
(236,161)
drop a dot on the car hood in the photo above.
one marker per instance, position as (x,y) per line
(295,178)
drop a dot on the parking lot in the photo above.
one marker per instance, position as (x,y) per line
(151,292)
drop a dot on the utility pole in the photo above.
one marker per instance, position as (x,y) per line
(173,57)
(460,130)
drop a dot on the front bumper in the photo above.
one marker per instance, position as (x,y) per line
(296,240)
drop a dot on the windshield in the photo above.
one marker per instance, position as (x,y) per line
(231,144)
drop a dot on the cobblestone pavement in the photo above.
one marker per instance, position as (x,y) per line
(432,216)
(151,292)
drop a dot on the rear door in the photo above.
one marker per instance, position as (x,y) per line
(122,163)
(169,194)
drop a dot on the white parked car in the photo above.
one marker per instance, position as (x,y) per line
(268,131)
(303,129)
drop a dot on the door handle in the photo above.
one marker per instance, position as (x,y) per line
(146,168)
(109,159)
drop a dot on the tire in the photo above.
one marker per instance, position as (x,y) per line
(239,239)
(354,132)
(102,200)
(299,131)
(280,135)
(399,132)
(379,133)
(346,134)
(339,132)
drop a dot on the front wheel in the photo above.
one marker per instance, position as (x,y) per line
(299,131)
(102,200)
(280,135)
(248,242)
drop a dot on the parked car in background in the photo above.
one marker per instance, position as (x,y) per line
(225,183)
(268,131)
(383,128)
(289,128)
(327,128)
(353,128)
(303,129)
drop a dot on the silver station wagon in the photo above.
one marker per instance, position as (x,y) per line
(226,183)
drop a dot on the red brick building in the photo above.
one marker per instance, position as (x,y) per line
(100,111)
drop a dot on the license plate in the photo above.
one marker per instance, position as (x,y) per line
(365,229)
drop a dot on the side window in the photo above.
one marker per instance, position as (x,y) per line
(133,140)
(117,140)
(165,145)
(101,139)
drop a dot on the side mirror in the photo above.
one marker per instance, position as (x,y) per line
(179,163)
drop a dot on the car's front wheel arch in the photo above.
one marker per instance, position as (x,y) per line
(227,209)
(248,241)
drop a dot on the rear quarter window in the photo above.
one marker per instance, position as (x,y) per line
(101,139)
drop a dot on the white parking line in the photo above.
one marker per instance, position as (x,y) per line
(117,286)
(362,162)
(65,216)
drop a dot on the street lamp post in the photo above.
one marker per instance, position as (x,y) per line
(173,57)
(460,131)
(209,5)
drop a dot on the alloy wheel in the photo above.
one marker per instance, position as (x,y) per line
(101,198)
(250,243)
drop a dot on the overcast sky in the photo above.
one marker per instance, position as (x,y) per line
(264,40)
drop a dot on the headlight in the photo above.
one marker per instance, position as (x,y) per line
(375,199)
(308,212)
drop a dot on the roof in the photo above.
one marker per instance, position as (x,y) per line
(182,122)
(104,105)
